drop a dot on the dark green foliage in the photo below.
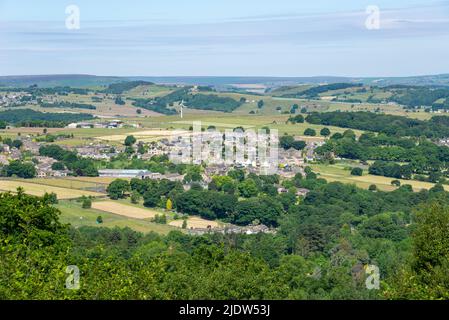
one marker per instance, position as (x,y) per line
(79,166)
(161,219)
(248,188)
(325,132)
(130,140)
(389,124)
(296,119)
(320,245)
(119,88)
(211,102)
(29,219)
(31,118)
(424,276)
(388,169)
(58,166)
(118,189)
(310,132)
(387,226)
(20,169)
(118,100)
(237,174)
(263,209)
(288,142)
(421,156)
(86,204)
(194,101)
(68,105)
(357,171)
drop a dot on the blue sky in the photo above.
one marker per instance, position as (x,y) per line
(225,38)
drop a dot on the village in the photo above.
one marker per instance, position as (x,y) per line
(288,163)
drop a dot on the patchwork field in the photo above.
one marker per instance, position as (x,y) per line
(73,213)
(134,211)
(229,121)
(40,189)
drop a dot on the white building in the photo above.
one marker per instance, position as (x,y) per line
(129,173)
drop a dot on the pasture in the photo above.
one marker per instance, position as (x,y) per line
(341,173)
(73,213)
(136,211)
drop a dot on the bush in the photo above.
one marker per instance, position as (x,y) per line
(160,219)
(396,183)
(325,132)
(58,166)
(117,189)
(357,171)
(310,132)
(87,203)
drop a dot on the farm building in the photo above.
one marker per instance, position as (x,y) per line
(131,173)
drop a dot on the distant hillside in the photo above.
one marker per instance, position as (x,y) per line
(436,80)
(120,87)
(69,80)
(76,80)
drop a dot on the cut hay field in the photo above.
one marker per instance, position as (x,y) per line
(121,209)
(36,189)
(195,222)
(73,213)
(94,180)
(67,182)
(144,136)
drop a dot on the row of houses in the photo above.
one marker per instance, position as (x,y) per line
(232,229)
(44,168)
(110,124)
(140,174)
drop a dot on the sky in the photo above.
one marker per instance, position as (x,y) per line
(225,38)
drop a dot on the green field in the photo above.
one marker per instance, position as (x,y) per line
(73,213)
(230,121)
(341,172)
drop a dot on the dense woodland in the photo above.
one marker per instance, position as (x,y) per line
(418,156)
(120,87)
(436,127)
(32,118)
(69,105)
(211,102)
(319,251)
